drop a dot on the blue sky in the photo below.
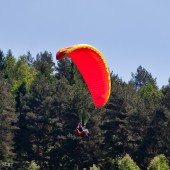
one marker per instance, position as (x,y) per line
(129,33)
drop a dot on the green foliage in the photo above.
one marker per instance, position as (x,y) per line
(141,78)
(126,163)
(65,69)
(151,96)
(10,64)
(44,63)
(121,116)
(49,106)
(23,74)
(38,114)
(150,91)
(19,72)
(28,59)
(159,163)
(33,166)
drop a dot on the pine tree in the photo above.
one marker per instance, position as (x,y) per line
(166,96)
(156,139)
(65,69)
(9,70)
(141,78)
(2,61)
(115,122)
(7,121)
(44,63)
(22,142)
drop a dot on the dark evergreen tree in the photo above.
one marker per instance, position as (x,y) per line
(115,120)
(44,63)
(9,71)
(9,53)
(124,121)
(65,69)
(166,96)
(2,61)
(141,78)
(151,97)
(22,142)
(156,139)
(39,123)
(7,121)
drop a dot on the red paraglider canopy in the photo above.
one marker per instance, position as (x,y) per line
(93,68)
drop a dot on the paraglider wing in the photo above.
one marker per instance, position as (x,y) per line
(93,68)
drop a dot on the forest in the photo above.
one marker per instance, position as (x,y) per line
(41,102)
